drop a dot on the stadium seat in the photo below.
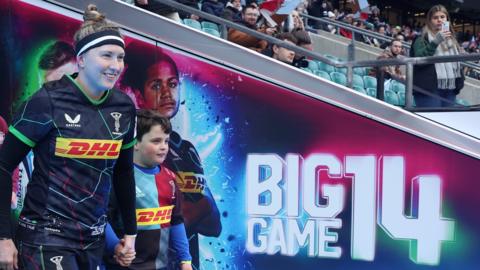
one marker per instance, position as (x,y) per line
(370,82)
(312,65)
(341,70)
(210,25)
(397,86)
(360,71)
(391,97)
(372,92)
(212,32)
(307,69)
(359,89)
(357,81)
(322,74)
(332,57)
(326,67)
(339,78)
(192,23)
(462,102)
(401,98)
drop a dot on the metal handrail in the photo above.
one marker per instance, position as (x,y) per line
(408,61)
(317,56)
(352,28)
(226,23)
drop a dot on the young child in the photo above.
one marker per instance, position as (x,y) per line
(159,220)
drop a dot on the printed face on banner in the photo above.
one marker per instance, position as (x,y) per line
(284,179)
(161,90)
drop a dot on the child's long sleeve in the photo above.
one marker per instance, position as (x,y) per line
(111,239)
(179,243)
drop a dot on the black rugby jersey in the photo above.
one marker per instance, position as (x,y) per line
(76,142)
(183,159)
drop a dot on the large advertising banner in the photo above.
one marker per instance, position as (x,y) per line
(274,179)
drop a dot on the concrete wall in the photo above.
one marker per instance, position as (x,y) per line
(336,45)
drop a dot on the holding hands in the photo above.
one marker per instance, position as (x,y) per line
(124,252)
(8,255)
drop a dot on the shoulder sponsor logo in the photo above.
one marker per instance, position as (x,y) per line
(72,122)
(116,116)
(154,216)
(85,148)
(190,182)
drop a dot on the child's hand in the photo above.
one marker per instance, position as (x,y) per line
(186,266)
(123,254)
(129,243)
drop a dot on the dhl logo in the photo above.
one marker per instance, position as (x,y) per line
(154,216)
(190,182)
(83,148)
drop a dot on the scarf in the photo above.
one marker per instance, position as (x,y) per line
(446,72)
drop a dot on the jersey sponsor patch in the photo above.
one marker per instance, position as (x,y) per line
(85,148)
(191,182)
(154,216)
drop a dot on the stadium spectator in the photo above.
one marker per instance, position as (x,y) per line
(408,33)
(233,11)
(319,8)
(213,7)
(349,20)
(297,21)
(381,29)
(391,52)
(361,37)
(304,41)
(293,22)
(250,15)
(283,54)
(157,7)
(442,79)
(375,17)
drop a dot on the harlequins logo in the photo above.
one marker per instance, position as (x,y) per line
(116,116)
(72,122)
(57,260)
(139,193)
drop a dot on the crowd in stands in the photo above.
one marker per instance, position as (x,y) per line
(372,19)
(291,28)
(246,13)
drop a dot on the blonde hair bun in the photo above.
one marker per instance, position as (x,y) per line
(92,14)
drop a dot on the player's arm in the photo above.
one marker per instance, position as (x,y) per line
(200,210)
(124,183)
(204,217)
(124,187)
(12,152)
